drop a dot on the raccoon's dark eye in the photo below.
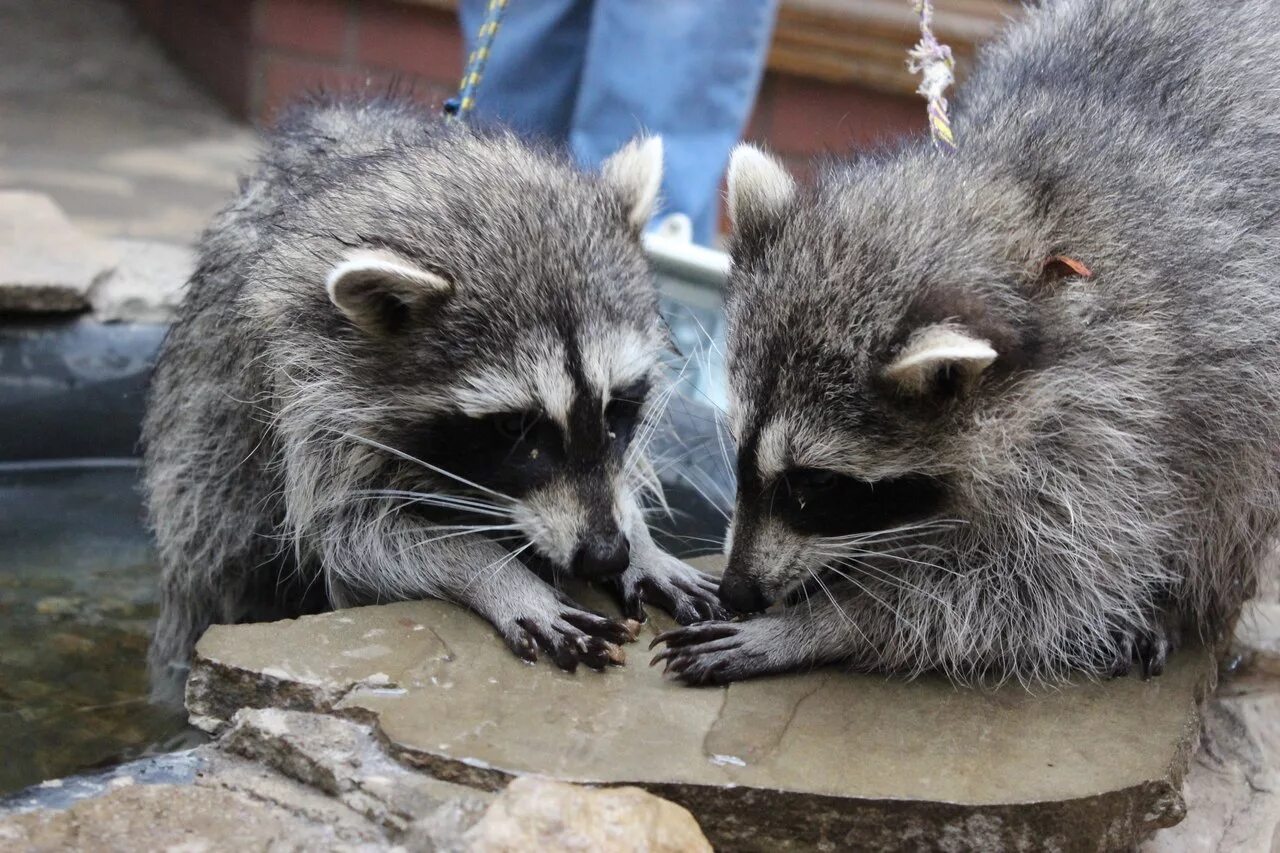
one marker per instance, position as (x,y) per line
(813,480)
(623,410)
(516,426)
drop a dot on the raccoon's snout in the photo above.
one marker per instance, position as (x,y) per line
(741,594)
(602,556)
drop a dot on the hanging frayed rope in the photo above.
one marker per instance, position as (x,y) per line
(932,59)
(459,106)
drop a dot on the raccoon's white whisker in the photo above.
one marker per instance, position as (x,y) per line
(709,540)
(853,553)
(466,531)
(711,341)
(408,458)
(902,619)
(648,428)
(888,578)
(871,536)
(437,499)
(703,493)
(428,500)
(497,565)
(412,493)
(835,604)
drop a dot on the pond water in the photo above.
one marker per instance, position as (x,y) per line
(77,600)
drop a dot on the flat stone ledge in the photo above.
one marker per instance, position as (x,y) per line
(795,762)
(47,264)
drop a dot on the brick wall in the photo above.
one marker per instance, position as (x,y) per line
(256,54)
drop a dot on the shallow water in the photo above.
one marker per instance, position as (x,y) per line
(77,600)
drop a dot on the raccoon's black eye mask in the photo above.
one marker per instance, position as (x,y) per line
(622,414)
(826,503)
(512,452)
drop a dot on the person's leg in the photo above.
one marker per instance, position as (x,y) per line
(530,82)
(686,69)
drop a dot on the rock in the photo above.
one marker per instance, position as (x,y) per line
(542,814)
(171,817)
(146,286)
(1233,787)
(344,760)
(46,263)
(795,762)
(277,780)
(1257,639)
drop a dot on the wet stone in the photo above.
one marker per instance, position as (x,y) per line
(47,264)
(820,760)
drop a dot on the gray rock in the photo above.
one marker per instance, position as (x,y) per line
(46,263)
(541,814)
(147,284)
(1233,787)
(1257,640)
(344,760)
(824,759)
(170,817)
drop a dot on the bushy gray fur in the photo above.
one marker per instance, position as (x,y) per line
(272,456)
(1112,475)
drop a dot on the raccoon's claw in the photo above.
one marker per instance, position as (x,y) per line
(671,585)
(717,652)
(1149,647)
(574,636)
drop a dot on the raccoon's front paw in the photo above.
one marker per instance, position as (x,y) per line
(721,652)
(672,585)
(1148,646)
(569,635)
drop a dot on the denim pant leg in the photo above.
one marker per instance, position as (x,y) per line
(531,80)
(686,69)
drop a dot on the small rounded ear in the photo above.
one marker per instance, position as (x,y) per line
(760,190)
(635,173)
(943,358)
(376,289)
(1055,269)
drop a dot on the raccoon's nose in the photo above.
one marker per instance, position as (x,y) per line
(602,556)
(741,595)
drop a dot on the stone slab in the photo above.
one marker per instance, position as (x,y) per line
(794,762)
(147,284)
(46,263)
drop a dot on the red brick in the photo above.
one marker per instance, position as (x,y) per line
(410,39)
(811,117)
(314,27)
(282,79)
(761,119)
(211,39)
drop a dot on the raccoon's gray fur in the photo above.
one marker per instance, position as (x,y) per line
(410,351)
(1015,412)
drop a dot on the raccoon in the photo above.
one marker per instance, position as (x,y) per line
(415,360)
(1014,412)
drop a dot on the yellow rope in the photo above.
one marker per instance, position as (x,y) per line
(458,107)
(934,62)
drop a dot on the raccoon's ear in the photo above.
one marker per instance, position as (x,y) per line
(635,172)
(943,357)
(376,289)
(760,191)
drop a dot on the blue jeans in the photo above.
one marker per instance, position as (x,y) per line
(595,73)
